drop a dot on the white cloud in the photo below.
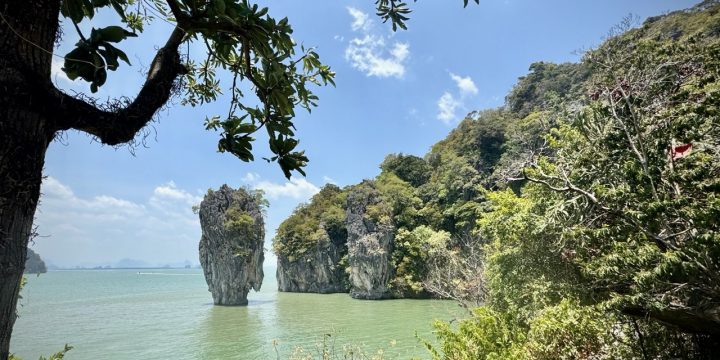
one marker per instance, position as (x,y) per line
(400,51)
(168,196)
(329,180)
(296,188)
(250,177)
(361,20)
(372,53)
(447,105)
(54,189)
(102,229)
(465,84)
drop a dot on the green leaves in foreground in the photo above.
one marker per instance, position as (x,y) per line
(244,46)
(397,11)
(92,57)
(259,50)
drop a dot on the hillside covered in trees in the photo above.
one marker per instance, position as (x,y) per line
(578,221)
(34,264)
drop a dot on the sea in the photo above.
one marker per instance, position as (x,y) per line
(169,314)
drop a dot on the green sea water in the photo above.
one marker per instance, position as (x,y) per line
(168,314)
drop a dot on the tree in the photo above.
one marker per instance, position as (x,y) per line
(635,176)
(409,168)
(241,39)
(456,271)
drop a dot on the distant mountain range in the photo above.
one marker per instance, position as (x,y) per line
(125,263)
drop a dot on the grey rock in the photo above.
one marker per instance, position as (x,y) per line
(231,252)
(34,264)
(370,246)
(318,270)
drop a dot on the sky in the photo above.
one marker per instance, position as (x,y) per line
(396,93)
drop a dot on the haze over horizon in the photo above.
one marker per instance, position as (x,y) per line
(396,93)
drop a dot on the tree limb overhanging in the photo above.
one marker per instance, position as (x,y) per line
(120,126)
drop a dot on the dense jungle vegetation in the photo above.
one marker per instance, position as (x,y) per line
(580,220)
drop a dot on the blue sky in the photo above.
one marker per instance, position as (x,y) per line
(396,92)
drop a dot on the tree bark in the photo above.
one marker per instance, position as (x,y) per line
(23,142)
(32,111)
(703,320)
(27,35)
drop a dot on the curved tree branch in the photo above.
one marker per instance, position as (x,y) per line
(117,127)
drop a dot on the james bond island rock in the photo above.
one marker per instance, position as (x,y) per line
(231,246)
(34,264)
(318,270)
(311,246)
(370,244)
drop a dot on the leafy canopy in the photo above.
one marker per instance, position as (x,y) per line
(243,43)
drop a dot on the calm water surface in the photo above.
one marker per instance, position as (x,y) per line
(168,314)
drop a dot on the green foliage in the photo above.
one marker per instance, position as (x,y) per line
(239,216)
(409,168)
(703,20)
(238,220)
(410,258)
(461,166)
(478,140)
(605,248)
(397,11)
(546,83)
(453,193)
(563,331)
(486,335)
(650,243)
(310,225)
(398,205)
(571,331)
(527,268)
(92,57)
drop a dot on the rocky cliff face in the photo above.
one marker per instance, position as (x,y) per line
(34,264)
(318,270)
(370,246)
(231,246)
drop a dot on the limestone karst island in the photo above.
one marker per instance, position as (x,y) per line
(360,180)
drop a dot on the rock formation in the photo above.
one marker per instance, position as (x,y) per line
(370,246)
(231,246)
(318,270)
(34,264)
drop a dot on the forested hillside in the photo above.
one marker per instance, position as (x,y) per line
(582,217)
(34,264)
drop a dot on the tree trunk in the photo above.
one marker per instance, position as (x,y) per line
(27,35)
(21,161)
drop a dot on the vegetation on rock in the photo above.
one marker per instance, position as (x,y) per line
(582,216)
(34,264)
(606,249)
(231,246)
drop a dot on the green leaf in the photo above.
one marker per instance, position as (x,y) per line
(112,34)
(110,59)
(73,9)
(117,52)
